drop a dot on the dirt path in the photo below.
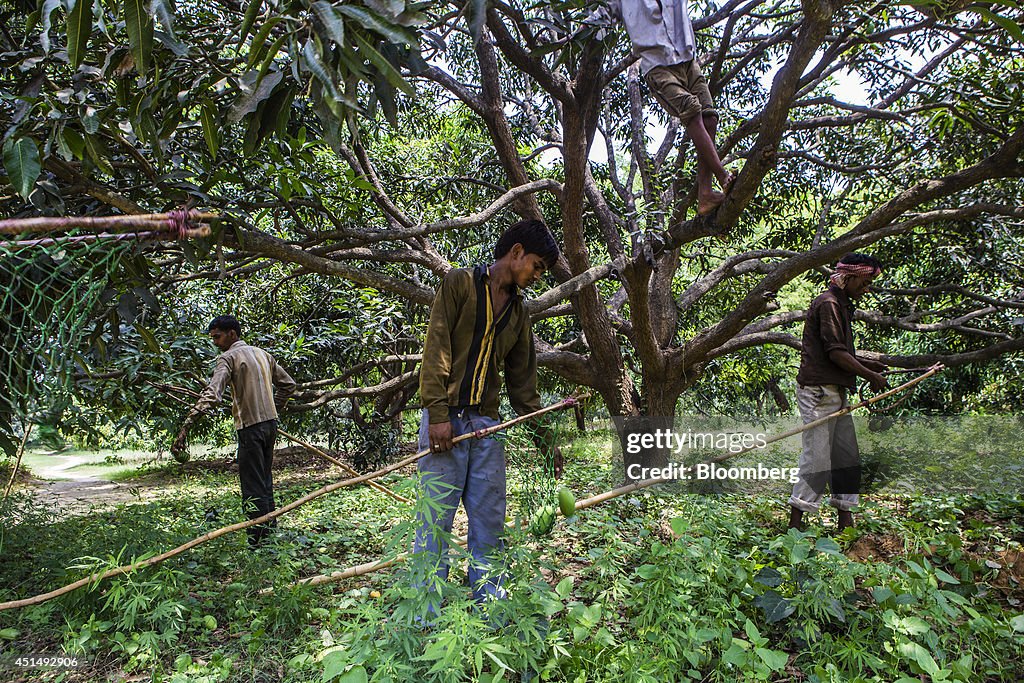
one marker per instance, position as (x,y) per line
(79,492)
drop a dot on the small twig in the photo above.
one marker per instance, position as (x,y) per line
(17,463)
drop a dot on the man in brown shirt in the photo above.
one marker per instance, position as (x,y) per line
(253,375)
(829,368)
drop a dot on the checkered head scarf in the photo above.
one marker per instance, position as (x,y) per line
(844,271)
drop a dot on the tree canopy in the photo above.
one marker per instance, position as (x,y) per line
(357,151)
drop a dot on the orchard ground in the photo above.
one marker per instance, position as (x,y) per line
(659,585)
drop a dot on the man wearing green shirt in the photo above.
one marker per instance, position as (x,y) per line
(478,325)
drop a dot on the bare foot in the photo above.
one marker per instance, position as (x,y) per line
(727,185)
(709,203)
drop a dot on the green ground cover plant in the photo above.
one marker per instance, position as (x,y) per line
(660,585)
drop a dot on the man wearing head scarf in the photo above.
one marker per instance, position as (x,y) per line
(829,367)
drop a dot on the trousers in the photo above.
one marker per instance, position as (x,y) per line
(830,456)
(472,472)
(255,462)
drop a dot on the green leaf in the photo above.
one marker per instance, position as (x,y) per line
(773,659)
(371,21)
(915,626)
(150,340)
(945,578)
(384,66)
(769,576)
(356,675)
(775,607)
(828,546)
(211,131)
(334,664)
(317,68)
(250,18)
(919,655)
(881,594)
(163,10)
(9,633)
(255,49)
(1018,623)
(44,18)
(79,28)
(21,161)
(332,23)
(99,154)
(253,93)
(139,26)
(564,587)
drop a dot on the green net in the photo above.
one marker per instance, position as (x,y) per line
(530,471)
(52,288)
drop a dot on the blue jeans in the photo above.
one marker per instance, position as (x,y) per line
(473,472)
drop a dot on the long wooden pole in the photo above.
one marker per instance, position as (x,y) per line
(163,234)
(330,458)
(152,221)
(124,569)
(369,567)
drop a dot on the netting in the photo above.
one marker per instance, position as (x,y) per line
(52,287)
(530,471)
(49,292)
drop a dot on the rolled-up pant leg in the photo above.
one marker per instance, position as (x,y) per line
(829,454)
(255,473)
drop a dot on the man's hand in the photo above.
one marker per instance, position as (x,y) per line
(440,435)
(877,381)
(179,443)
(873,365)
(558,461)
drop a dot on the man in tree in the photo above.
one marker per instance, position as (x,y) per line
(477,324)
(662,34)
(829,368)
(253,375)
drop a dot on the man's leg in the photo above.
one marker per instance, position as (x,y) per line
(708,164)
(269,443)
(682,92)
(443,480)
(845,470)
(484,498)
(814,402)
(254,475)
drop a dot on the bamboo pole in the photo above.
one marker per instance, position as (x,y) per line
(370,567)
(158,221)
(166,388)
(163,234)
(17,463)
(329,458)
(124,569)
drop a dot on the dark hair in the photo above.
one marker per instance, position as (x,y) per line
(225,323)
(855,259)
(535,238)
